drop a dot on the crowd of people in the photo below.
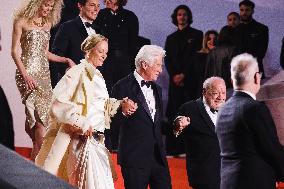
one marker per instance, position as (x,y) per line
(88,86)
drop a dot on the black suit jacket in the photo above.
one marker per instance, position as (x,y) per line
(121,29)
(253,39)
(180,47)
(69,37)
(251,155)
(202,146)
(138,133)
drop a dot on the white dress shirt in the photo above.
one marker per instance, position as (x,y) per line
(148,94)
(89,30)
(213,116)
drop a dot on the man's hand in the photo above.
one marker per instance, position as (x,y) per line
(128,107)
(180,123)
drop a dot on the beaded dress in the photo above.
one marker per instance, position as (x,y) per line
(37,101)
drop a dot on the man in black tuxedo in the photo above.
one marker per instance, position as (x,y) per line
(196,122)
(251,155)
(180,46)
(141,152)
(72,33)
(69,12)
(253,35)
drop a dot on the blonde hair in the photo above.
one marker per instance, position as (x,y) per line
(91,41)
(30,8)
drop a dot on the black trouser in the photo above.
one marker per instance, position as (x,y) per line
(157,176)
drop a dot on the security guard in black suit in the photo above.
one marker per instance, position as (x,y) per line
(253,35)
(121,28)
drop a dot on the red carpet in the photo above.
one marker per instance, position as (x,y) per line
(177,170)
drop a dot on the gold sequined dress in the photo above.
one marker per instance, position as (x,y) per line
(37,102)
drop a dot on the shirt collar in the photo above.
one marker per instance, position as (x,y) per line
(90,69)
(207,107)
(83,20)
(138,77)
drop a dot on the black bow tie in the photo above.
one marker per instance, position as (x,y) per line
(88,24)
(213,111)
(147,83)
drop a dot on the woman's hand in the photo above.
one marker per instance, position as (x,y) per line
(30,82)
(70,62)
(89,132)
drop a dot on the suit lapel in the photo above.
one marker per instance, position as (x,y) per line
(139,95)
(81,28)
(205,115)
(158,99)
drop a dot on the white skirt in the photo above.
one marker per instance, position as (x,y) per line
(88,165)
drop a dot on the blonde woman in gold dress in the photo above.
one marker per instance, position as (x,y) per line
(30,42)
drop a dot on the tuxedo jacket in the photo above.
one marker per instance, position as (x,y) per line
(251,155)
(69,38)
(202,146)
(139,134)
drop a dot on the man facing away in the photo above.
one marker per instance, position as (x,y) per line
(196,120)
(251,155)
(140,151)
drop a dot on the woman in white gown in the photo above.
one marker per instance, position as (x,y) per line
(73,147)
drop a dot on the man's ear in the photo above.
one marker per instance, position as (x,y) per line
(144,65)
(256,79)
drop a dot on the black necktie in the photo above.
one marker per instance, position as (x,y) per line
(87,24)
(147,83)
(213,111)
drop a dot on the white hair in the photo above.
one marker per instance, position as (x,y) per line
(243,68)
(208,83)
(148,54)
